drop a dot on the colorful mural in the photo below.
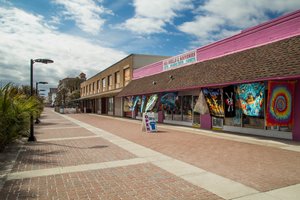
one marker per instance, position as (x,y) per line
(251,98)
(168,100)
(280,103)
(151,102)
(229,101)
(213,97)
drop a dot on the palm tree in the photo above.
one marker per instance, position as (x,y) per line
(16,107)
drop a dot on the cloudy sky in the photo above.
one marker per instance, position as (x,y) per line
(90,35)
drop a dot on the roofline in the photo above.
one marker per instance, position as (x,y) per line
(132,54)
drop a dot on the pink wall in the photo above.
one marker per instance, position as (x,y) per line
(296,128)
(205,122)
(148,70)
(278,29)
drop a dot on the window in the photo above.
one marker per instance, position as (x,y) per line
(117,80)
(98,85)
(90,88)
(110,82)
(103,84)
(93,87)
(110,104)
(126,76)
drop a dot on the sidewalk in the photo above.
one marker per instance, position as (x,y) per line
(83,156)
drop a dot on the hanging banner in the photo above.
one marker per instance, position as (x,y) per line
(168,100)
(251,98)
(214,102)
(143,103)
(201,105)
(135,101)
(229,101)
(151,102)
(280,103)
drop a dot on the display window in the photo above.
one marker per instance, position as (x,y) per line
(110,104)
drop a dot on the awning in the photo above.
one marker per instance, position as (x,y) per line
(102,94)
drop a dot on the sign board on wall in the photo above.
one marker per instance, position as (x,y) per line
(180,60)
(149,122)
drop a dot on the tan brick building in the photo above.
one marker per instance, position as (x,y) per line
(98,93)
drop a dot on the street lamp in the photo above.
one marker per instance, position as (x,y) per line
(45,61)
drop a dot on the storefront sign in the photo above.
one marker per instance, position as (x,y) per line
(149,122)
(178,61)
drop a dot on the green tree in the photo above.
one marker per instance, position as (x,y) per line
(16,107)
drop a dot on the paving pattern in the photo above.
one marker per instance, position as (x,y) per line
(258,166)
(83,156)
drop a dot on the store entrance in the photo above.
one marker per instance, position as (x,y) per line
(103,106)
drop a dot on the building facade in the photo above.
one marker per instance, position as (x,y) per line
(68,91)
(52,96)
(248,83)
(98,93)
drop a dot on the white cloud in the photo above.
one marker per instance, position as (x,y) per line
(218,18)
(25,36)
(85,13)
(142,25)
(151,16)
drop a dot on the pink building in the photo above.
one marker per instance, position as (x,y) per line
(256,63)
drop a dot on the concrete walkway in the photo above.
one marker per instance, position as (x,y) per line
(95,157)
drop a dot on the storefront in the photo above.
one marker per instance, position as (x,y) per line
(255,91)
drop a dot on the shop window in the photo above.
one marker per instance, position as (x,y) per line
(117,80)
(217,122)
(196,115)
(103,84)
(187,108)
(110,82)
(126,76)
(110,104)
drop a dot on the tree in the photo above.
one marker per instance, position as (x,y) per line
(16,107)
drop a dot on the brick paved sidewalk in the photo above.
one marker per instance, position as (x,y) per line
(85,156)
(261,167)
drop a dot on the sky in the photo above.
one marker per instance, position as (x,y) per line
(90,35)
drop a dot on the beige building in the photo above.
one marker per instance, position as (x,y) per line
(98,93)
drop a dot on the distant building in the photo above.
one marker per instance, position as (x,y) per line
(98,94)
(51,96)
(68,90)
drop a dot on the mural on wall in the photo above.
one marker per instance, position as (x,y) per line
(213,97)
(168,100)
(280,103)
(128,103)
(201,105)
(151,102)
(143,103)
(251,98)
(229,101)
(135,101)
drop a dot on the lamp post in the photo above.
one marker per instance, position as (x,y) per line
(44,61)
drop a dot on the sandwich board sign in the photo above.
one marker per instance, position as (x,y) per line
(149,123)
